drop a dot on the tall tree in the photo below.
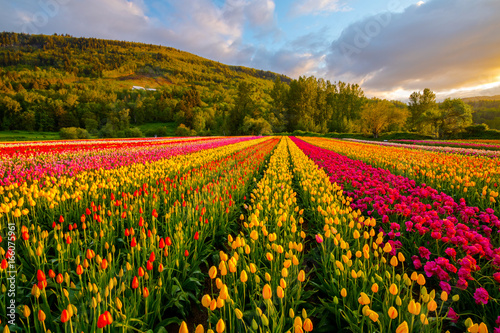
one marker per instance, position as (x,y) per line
(377,115)
(455,116)
(420,105)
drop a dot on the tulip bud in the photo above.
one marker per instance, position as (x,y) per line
(41,315)
(26,311)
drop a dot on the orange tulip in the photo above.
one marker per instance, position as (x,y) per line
(64,316)
(267,292)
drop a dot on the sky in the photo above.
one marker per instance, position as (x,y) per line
(390,47)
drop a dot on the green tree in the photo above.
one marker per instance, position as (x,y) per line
(378,115)
(455,116)
(279,97)
(422,107)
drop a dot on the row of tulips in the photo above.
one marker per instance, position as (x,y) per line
(257,284)
(127,253)
(474,178)
(19,149)
(436,148)
(454,245)
(464,144)
(48,168)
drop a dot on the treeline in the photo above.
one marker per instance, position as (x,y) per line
(487,112)
(84,86)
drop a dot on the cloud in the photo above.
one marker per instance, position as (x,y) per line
(200,27)
(317,7)
(82,18)
(439,44)
(292,63)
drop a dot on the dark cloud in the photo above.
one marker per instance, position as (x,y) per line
(440,44)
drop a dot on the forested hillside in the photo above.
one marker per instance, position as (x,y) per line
(486,110)
(51,82)
(106,88)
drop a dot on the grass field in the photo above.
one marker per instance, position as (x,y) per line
(169,128)
(28,136)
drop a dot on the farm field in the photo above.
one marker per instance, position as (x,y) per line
(247,234)
(472,143)
(472,149)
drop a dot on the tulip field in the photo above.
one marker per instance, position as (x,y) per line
(247,234)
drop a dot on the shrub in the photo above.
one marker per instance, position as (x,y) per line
(69,133)
(133,132)
(182,130)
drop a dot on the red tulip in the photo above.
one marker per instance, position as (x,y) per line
(64,316)
(135,283)
(40,275)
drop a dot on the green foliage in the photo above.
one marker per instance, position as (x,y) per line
(16,135)
(69,133)
(486,111)
(378,115)
(258,126)
(422,108)
(51,82)
(183,130)
(133,132)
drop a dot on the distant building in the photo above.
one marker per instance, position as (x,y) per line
(142,88)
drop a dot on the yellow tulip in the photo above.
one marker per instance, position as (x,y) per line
(373,316)
(364,299)
(393,289)
(221,326)
(308,325)
(238,313)
(183,328)
(212,272)
(412,307)
(280,292)
(387,248)
(432,306)
(402,328)
(243,276)
(393,313)
(206,300)
(224,293)
(394,261)
(483,328)
(267,293)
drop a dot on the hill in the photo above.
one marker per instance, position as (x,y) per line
(481,98)
(51,82)
(486,110)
